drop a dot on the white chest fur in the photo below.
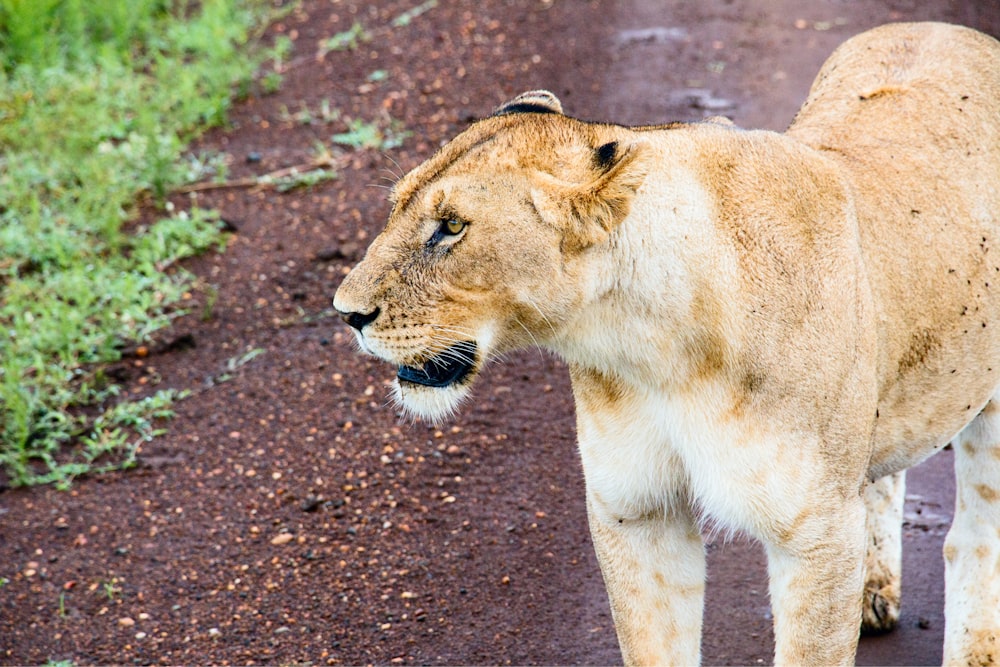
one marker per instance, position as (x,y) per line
(647,451)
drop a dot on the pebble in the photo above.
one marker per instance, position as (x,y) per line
(283,538)
(126,622)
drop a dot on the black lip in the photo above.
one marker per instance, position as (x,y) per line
(445,369)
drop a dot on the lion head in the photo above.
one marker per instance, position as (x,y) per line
(486,246)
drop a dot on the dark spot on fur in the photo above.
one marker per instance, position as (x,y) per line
(592,385)
(922,345)
(605,155)
(752,382)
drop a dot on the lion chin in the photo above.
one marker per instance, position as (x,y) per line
(430,404)
(434,390)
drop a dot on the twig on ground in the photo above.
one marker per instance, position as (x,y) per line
(270,179)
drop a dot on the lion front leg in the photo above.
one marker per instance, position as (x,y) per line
(654,570)
(884,500)
(816,580)
(972,548)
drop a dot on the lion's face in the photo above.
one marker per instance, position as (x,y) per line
(484,250)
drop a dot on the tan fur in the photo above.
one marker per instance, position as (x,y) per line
(757,326)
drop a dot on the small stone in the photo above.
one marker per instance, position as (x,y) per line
(126,622)
(253,157)
(505,580)
(283,538)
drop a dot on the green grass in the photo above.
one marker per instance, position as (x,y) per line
(98,99)
(348,40)
(362,135)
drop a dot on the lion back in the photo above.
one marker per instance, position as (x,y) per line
(911,114)
(901,81)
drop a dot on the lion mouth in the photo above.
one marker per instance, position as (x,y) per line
(444,369)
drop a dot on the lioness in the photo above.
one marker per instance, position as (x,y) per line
(764,329)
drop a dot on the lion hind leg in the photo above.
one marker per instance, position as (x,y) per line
(884,500)
(972,548)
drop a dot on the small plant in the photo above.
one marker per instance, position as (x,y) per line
(363,135)
(211,296)
(406,17)
(348,40)
(236,362)
(111,589)
(271,82)
(325,113)
(202,165)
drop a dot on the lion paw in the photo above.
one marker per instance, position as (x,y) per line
(880,611)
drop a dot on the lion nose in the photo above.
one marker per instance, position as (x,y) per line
(359,320)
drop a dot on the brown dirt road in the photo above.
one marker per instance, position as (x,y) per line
(290,516)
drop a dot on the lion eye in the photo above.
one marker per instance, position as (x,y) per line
(451,226)
(447,228)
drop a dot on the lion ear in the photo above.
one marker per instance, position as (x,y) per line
(590,211)
(533,101)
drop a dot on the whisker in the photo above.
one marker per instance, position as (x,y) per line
(462,331)
(527,331)
(398,167)
(544,318)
